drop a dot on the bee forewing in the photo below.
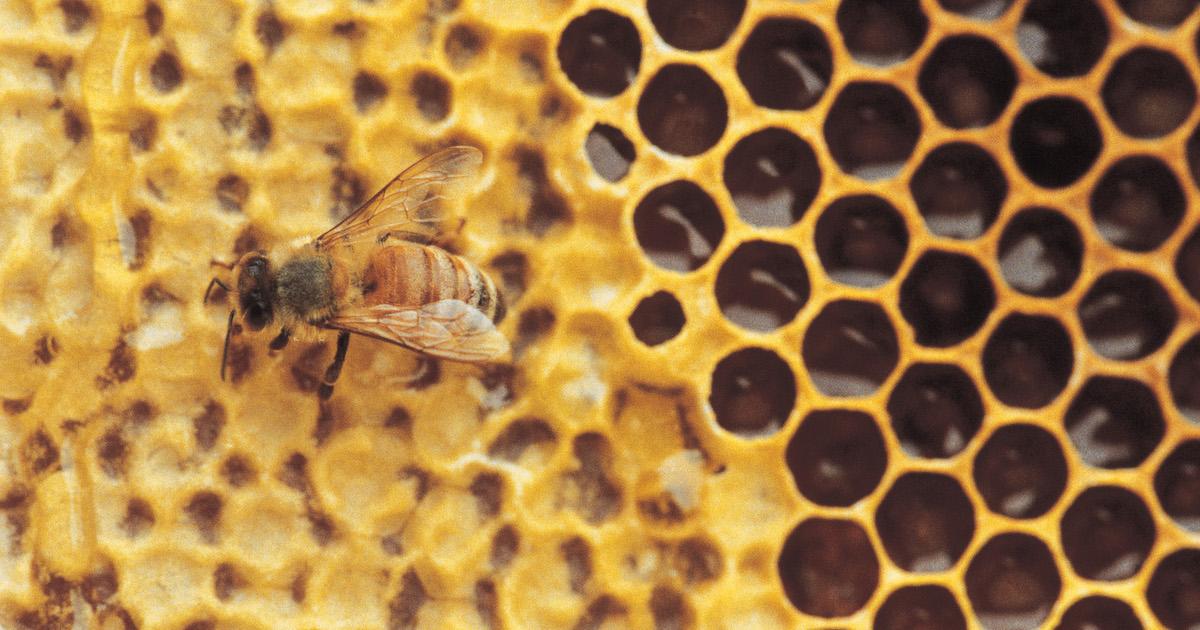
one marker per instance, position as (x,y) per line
(412,206)
(448,329)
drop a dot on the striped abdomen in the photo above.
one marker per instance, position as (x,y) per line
(409,274)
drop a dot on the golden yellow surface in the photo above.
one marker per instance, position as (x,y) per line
(592,484)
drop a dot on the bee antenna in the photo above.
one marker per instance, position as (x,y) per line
(215,282)
(225,352)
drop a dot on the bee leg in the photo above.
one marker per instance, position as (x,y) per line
(281,341)
(335,369)
(215,282)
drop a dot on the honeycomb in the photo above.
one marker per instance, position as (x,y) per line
(871,313)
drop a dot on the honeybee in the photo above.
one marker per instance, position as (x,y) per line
(379,273)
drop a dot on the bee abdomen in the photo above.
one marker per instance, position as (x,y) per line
(477,289)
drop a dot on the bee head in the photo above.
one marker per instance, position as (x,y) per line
(255,287)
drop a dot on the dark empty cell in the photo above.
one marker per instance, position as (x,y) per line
(1020,472)
(1054,141)
(1012,582)
(1041,252)
(959,189)
(154,18)
(1184,379)
(837,457)
(977,9)
(882,32)
(682,110)
(609,152)
(1148,93)
(1114,422)
(1099,613)
(922,607)
(1177,484)
(861,240)
(762,285)
(946,298)
(935,410)
(1187,265)
(695,24)
(165,72)
(967,81)
(925,522)
(1107,533)
(1028,360)
(871,130)
(772,176)
(753,392)
(269,30)
(678,226)
(828,567)
(232,192)
(1174,590)
(204,510)
(600,52)
(671,610)
(76,14)
(1192,151)
(463,44)
(432,94)
(1138,203)
(1165,14)
(850,348)
(1126,315)
(1063,38)
(657,319)
(368,91)
(697,560)
(785,64)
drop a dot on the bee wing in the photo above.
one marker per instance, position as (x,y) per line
(411,206)
(448,329)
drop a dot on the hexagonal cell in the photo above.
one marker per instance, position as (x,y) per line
(1187,265)
(967,81)
(882,32)
(977,9)
(922,607)
(762,285)
(753,392)
(1020,472)
(1012,582)
(1054,141)
(1099,613)
(609,152)
(828,567)
(1174,589)
(935,410)
(600,52)
(1041,252)
(1177,484)
(1164,14)
(1148,93)
(1183,378)
(946,298)
(772,176)
(682,110)
(1028,360)
(1107,533)
(1063,38)
(837,457)
(678,226)
(850,348)
(861,240)
(959,189)
(871,130)
(1137,203)
(1114,422)
(785,64)
(1126,315)
(657,319)
(695,25)
(925,522)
